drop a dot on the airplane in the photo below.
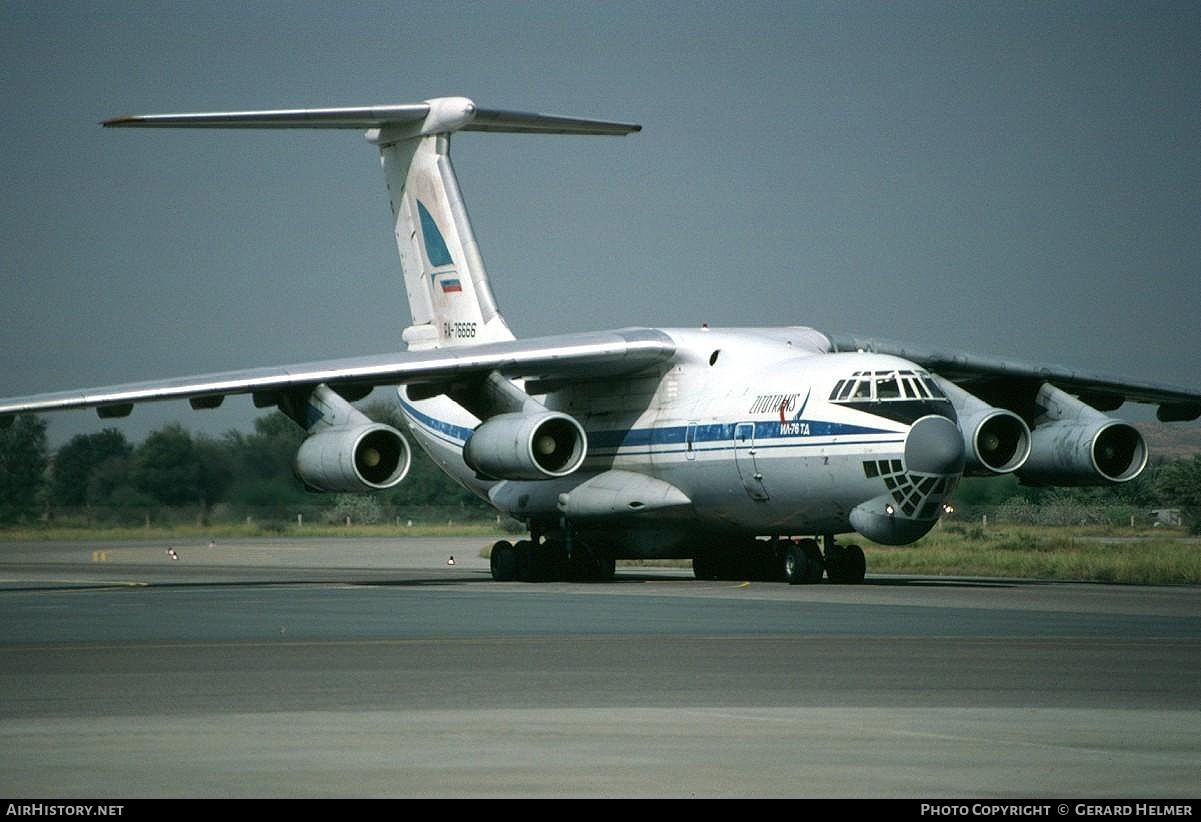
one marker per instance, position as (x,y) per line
(746,450)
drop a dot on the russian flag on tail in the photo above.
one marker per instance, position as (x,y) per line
(450,286)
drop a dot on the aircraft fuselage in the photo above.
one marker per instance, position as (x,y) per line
(761,430)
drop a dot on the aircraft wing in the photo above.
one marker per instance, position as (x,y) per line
(568,357)
(992,377)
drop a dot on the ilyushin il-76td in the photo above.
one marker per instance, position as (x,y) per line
(751,451)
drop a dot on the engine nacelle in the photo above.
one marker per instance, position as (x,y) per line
(1075,444)
(519,446)
(353,460)
(995,441)
(1093,452)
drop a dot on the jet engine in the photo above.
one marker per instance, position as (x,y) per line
(520,446)
(353,460)
(1074,444)
(995,441)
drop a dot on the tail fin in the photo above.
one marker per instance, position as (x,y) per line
(450,299)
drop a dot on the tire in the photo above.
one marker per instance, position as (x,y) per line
(836,563)
(524,550)
(802,563)
(856,565)
(503,561)
(702,567)
(811,571)
(591,563)
(606,568)
(794,564)
(846,565)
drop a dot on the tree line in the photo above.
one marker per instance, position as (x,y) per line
(104,478)
(107,479)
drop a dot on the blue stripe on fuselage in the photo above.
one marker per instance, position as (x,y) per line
(455,432)
(722,432)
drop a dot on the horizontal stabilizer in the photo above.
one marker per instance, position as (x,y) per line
(359,117)
(438,115)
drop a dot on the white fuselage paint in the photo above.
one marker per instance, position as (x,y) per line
(739,420)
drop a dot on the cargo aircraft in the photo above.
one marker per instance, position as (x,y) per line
(748,450)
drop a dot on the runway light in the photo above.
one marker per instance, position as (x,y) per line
(948,508)
(888,509)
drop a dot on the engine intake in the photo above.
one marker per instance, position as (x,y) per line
(1074,444)
(998,442)
(519,446)
(1085,453)
(353,460)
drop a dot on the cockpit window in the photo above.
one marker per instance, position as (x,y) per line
(915,388)
(886,386)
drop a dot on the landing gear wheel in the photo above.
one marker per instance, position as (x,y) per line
(845,565)
(503,561)
(856,565)
(815,567)
(590,563)
(794,564)
(524,549)
(703,567)
(606,568)
(836,560)
(802,563)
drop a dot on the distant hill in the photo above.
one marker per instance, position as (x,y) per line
(1172,441)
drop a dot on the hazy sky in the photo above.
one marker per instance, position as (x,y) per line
(1009,178)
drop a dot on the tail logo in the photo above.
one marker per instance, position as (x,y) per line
(435,245)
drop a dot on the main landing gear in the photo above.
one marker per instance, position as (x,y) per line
(548,560)
(797,562)
(845,563)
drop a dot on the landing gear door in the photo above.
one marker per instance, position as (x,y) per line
(747,462)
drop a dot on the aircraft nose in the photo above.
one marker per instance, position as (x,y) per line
(934,446)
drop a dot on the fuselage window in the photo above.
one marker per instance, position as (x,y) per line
(837,389)
(863,390)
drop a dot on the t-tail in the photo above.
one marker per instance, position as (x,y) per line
(450,300)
